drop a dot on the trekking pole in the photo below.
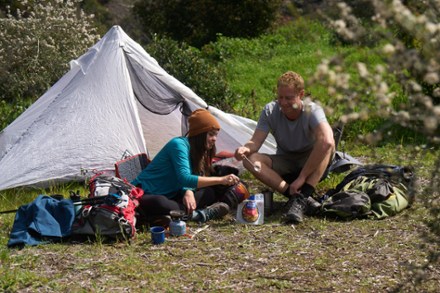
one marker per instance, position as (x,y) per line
(111,199)
(8,212)
(92,200)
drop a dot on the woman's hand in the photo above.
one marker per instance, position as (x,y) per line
(189,201)
(230,180)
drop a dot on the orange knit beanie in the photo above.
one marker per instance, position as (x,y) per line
(201,120)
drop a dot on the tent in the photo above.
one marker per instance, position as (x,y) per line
(115,99)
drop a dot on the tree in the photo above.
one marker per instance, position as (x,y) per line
(408,41)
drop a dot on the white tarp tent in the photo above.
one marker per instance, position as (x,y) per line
(107,104)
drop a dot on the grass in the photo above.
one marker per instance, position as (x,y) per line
(319,255)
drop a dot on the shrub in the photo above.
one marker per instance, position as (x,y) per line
(187,65)
(37,44)
(10,111)
(198,22)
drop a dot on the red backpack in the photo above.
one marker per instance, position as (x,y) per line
(109,210)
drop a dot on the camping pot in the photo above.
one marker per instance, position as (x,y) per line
(177,226)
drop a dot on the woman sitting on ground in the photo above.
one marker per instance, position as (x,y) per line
(178,178)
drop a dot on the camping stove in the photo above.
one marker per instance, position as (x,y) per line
(177,226)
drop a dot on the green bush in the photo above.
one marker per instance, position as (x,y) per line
(198,22)
(37,44)
(10,111)
(188,65)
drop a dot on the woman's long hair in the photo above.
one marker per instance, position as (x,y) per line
(200,156)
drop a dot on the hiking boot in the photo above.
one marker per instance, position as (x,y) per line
(296,207)
(313,206)
(214,211)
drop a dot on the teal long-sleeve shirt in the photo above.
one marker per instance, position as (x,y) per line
(170,172)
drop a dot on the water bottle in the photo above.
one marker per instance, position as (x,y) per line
(251,210)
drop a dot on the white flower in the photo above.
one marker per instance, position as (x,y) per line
(431,27)
(430,123)
(344,119)
(421,19)
(415,86)
(403,116)
(389,49)
(322,68)
(331,91)
(340,24)
(380,69)
(431,78)
(362,69)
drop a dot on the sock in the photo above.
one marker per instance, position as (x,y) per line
(287,191)
(307,190)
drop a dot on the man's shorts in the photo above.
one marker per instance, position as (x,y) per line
(289,163)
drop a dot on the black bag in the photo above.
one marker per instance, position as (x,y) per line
(223,170)
(98,220)
(348,204)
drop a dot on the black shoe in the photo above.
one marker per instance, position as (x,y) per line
(296,206)
(214,211)
(313,206)
(163,221)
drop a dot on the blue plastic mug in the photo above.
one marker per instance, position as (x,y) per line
(157,234)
